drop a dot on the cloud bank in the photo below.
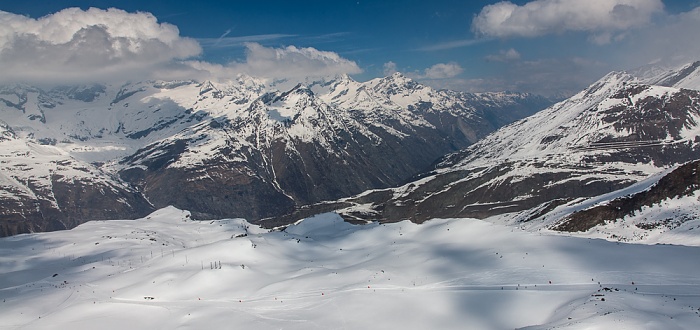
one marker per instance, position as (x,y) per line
(96,45)
(673,41)
(542,17)
(623,34)
(280,63)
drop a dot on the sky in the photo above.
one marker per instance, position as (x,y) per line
(549,47)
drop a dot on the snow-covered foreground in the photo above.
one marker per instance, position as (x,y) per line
(168,272)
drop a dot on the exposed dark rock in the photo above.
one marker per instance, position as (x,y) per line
(124,93)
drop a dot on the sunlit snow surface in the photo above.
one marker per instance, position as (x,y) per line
(161,273)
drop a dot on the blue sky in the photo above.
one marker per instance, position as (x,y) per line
(444,43)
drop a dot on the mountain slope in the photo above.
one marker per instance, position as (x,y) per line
(686,76)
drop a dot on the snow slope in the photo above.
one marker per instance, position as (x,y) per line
(322,273)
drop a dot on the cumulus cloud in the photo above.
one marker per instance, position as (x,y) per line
(443,70)
(542,17)
(76,44)
(504,56)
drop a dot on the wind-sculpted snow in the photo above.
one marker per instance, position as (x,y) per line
(167,271)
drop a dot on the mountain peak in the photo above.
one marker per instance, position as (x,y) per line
(397,83)
(399,77)
(344,77)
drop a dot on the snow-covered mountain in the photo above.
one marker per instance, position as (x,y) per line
(234,148)
(617,132)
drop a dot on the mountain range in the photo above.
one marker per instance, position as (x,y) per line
(240,148)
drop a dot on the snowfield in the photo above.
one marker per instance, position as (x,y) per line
(168,272)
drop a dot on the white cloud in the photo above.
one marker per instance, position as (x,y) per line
(288,63)
(443,71)
(451,45)
(541,17)
(504,56)
(76,44)
(390,68)
(292,62)
(438,71)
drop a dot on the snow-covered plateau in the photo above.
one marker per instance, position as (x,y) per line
(166,271)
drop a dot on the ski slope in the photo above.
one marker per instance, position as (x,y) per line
(168,272)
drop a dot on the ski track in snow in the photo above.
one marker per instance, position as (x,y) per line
(322,273)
